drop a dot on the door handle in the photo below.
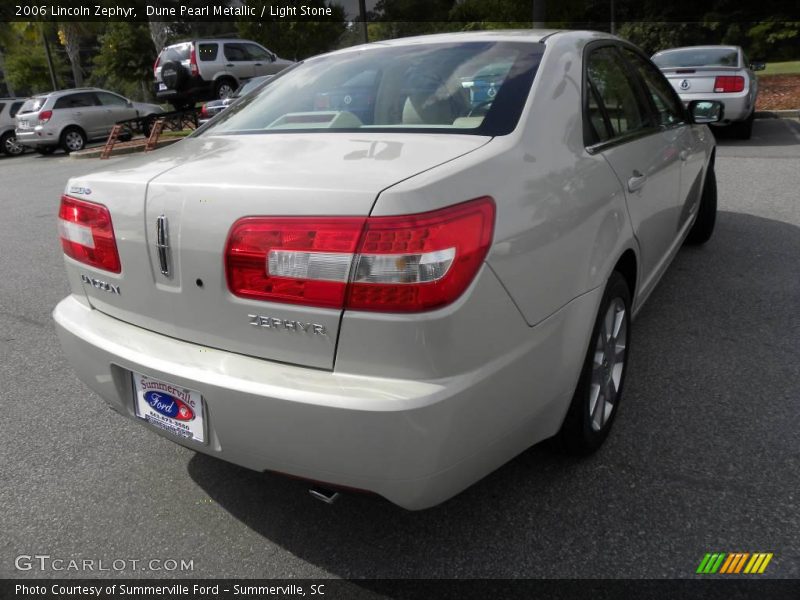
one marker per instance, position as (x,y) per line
(636,182)
(229,65)
(259,65)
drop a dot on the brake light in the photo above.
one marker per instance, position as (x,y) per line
(405,263)
(193,62)
(204,111)
(155,65)
(87,234)
(729,83)
(45,116)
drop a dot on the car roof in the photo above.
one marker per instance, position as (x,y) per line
(706,47)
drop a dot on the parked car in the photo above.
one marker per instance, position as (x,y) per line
(402,304)
(8,139)
(214,107)
(198,70)
(70,118)
(721,73)
(356,95)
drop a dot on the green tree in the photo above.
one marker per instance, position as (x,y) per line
(125,60)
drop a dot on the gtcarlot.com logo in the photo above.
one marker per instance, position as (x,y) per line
(734,563)
(46,562)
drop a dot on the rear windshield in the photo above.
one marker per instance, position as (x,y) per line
(32,104)
(698,57)
(473,87)
(178,52)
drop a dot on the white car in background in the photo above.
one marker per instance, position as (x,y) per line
(721,73)
(402,298)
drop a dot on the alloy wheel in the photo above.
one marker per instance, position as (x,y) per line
(608,364)
(13,147)
(73,140)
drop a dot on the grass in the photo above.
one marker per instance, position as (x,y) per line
(781,68)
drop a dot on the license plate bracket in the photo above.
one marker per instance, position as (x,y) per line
(170,407)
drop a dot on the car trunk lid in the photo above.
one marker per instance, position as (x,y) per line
(200,189)
(697,80)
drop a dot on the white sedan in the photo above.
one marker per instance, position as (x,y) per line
(401,298)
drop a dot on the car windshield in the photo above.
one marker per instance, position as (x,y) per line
(415,88)
(250,85)
(32,104)
(698,57)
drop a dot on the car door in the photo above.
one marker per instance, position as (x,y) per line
(82,109)
(238,61)
(261,59)
(116,109)
(674,122)
(644,158)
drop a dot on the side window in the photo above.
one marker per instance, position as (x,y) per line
(81,100)
(597,118)
(14,108)
(207,52)
(107,99)
(668,105)
(2,106)
(616,92)
(236,53)
(257,53)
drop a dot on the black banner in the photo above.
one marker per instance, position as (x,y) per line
(411,589)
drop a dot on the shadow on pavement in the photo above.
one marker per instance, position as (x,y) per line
(703,455)
(766,132)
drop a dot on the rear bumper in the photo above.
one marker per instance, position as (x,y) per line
(738,106)
(195,89)
(36,137)
(417,443)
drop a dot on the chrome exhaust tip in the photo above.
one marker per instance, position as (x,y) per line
(323,495)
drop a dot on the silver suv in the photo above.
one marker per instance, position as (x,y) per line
(70,118)
(210,69)
(8,139)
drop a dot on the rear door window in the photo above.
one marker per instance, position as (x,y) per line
(669,110)
(235,52)
(256,52)
(617,96)
(32,104)
(79,100)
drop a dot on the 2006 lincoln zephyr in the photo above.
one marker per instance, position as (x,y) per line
(400,297)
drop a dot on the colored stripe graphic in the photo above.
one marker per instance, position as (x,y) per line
(729,563)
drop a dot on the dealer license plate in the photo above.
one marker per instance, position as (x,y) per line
(169,407)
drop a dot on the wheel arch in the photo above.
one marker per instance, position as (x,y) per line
(627,265)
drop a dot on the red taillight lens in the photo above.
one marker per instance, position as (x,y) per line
(193,61)
(45,116)
(155,64)
(87,234)
(204,111)
(392,264)
(729,83)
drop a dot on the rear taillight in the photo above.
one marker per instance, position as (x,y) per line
(204,111)
(45,116)
(87,234)
(155,65)
(729,83)
(193,61)
(393,264)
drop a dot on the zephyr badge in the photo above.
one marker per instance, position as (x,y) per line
(162,243)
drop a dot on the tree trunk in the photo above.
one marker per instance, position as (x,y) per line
(71,39)
(159,31)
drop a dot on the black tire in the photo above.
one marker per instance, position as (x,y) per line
(181,104)
(224,87)
(703,226)
(45,150)
(10,145)
(174,75)
(743,130)
(72,139)
(580,433)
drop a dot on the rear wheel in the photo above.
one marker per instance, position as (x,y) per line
(597,396)
(10,145)
(224,88)
(73,139)
(744,129)
(703,226)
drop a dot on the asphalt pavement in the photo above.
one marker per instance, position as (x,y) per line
(704,457)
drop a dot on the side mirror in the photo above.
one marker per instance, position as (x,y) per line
(758,65)
(706,111)
(129,103)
